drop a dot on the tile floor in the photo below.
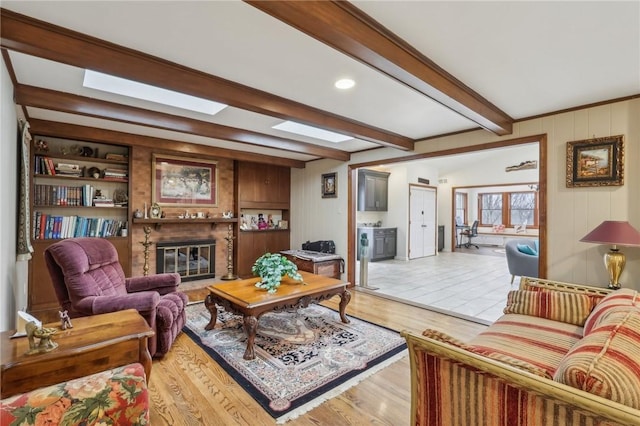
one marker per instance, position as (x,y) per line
(470,286)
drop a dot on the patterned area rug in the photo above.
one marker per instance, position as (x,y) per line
(302,358)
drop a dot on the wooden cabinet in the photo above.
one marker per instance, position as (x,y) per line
(329,268)
(262,188)
(78,189)
(372,190)
(253,244)
(382,242)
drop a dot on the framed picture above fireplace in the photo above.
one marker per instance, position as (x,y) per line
(181,181)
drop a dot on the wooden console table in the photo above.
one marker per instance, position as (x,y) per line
(95,343)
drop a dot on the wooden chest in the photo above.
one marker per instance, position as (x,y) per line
(330,265)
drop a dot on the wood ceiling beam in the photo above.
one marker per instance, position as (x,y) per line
(34,37)
(66,102)
(347,29)
(39,127)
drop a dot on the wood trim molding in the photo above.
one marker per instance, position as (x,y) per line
(34,37)
(67,102)
(347,29)
(92,134)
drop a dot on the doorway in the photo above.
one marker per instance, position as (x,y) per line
(445,208)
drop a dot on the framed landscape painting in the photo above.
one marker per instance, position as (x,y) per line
(178,181)
(595,162)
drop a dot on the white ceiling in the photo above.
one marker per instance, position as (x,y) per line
(526,58)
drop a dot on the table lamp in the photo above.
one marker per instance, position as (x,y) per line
(615,233)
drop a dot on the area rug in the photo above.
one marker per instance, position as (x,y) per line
(303,357)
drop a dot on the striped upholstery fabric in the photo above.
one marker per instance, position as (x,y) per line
(533,286)
(538,341)
(452,394)
(606,362)
(571,308)
(622,298)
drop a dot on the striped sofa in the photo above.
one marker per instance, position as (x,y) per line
(562,354)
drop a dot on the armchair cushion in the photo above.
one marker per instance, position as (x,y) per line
(571,308)
(527,249)
(162,283)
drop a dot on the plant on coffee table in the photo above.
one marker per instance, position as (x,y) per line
(271,268)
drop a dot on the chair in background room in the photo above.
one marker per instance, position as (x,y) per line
(522,257)
(470,233)
(88,280)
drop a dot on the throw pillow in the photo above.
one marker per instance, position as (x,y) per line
(605,362)
(625,297)
(527,249)
(570,308)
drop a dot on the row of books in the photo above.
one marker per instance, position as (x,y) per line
(44,166)
(48,226)
(63,195)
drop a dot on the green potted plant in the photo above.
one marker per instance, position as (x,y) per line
(271,268)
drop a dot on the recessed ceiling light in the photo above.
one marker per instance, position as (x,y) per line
(345,83)
(134,89)
(313,132)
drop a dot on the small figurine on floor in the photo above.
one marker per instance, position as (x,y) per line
(65,321)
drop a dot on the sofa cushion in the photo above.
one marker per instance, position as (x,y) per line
(572,308)
(623,298)
(538,341)
(606,362)
(505,359)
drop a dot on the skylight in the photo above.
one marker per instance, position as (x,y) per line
(133,89)
(313,132)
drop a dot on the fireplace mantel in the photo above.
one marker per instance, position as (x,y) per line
(174,220)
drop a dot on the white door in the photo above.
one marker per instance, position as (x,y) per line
(422,222)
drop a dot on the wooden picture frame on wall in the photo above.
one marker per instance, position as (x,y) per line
(329,185)
(595,162)
(181,181)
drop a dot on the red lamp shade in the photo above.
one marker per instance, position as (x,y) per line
(613,232)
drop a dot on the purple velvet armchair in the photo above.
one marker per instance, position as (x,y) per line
(88,280)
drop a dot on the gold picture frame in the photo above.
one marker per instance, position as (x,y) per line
(180,181)
(595,162)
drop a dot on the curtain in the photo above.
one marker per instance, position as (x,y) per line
(24,248)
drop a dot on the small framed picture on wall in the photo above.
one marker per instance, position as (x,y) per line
(329,185)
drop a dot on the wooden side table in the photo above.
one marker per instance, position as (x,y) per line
(95,343)
(323,264)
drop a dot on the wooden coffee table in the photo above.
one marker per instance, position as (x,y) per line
(244,298)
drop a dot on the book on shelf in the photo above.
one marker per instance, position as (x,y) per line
(48,226)
(113,156)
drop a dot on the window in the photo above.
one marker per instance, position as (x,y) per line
(490,209)
(461,208)
(508,208)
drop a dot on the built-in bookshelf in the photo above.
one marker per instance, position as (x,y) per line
(78,189)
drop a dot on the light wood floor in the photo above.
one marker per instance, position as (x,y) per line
(188,388)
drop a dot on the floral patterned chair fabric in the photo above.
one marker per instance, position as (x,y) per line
(113,397)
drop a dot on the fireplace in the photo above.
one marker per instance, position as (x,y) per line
(193,260)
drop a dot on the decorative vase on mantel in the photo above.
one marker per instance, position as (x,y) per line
(271,268)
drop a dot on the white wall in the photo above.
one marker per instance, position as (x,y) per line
(8,195)
(571,212)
